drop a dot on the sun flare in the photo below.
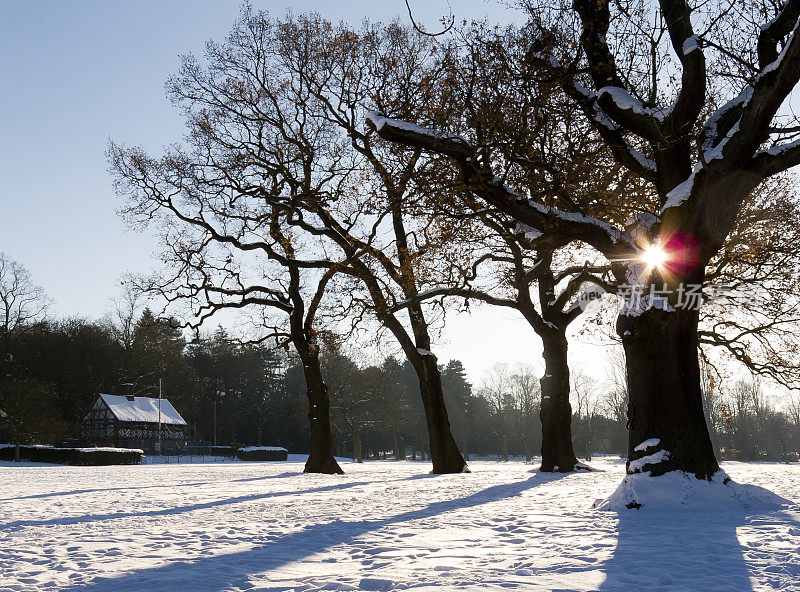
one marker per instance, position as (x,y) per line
(654,256)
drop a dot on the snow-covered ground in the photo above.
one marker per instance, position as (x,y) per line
(382,526)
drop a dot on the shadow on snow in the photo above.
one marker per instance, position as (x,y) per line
(655,550)
(222,572)
(17,524)
(686,550)
(136,487)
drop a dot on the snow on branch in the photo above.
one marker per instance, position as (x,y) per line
(378,121)
(689,103)
(619,110)
(724,118)
(726,121)
(609,130)
(652,442)
(775,30)
(529,232)
(625,101)
(781,149)
(691,44)
(646,163)
(614,234)
(681,193)
(769,91)
(778,158)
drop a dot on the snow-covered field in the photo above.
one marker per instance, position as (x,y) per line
(382,526)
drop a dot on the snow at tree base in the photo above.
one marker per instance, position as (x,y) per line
(393,526)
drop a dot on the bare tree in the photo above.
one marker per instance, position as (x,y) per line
(121,320)
(526,390)
(22,304)
(496,388)
(542,143)
(282,191)
(358,395)
(227,206)
(395,257)
(587,410)
(523,277)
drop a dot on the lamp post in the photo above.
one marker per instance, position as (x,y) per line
(159,416)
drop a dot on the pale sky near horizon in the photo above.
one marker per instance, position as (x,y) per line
(76,74)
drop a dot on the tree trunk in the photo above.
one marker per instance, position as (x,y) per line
(320,457)
(666,402)
(556,412)
(399,446)
(357,456)
(443,448)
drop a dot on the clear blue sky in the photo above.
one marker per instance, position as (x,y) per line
(75,74)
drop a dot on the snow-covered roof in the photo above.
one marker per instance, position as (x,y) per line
(142,409)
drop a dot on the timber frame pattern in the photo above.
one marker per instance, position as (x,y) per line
(101,426)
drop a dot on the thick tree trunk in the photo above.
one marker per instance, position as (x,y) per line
(556,412)
(320,457)
(666,401)
(443,448)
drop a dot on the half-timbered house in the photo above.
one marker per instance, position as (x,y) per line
(133,422)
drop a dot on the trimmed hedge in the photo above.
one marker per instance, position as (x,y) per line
(229,451)
(75,456)
(262,453)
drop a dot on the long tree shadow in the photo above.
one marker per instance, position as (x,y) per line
(137,487)
(223,572)
(683,550)
(17,524)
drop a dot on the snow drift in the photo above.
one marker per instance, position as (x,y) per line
(678,490)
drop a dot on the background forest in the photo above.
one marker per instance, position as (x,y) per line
(55,368)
